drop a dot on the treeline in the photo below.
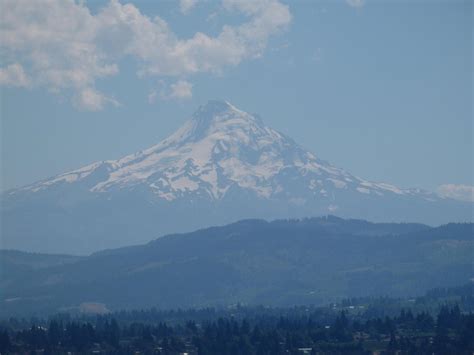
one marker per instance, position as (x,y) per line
(387,306)
(448,332)
(362,308)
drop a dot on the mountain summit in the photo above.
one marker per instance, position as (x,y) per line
(222,165)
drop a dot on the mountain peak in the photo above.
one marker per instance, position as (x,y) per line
(217,110)
(220,115)
(213,107)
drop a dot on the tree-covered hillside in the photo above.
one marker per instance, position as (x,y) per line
(279,263)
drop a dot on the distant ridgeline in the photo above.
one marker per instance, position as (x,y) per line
(441,322)
(252,262)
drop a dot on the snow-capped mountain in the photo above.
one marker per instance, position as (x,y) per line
(222,165)
(220,147)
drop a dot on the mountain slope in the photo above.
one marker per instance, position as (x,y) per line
(256,262)
(222,165)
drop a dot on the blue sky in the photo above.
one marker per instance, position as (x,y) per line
(381,89)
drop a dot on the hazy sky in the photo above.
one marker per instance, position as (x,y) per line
(382,89)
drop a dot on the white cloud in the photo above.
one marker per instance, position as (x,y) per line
(63,46)
(186,6)
(152,96)
(182,89)
(356,3)
(457,192)
(203,53)
(92,100)
(211,17)
(14,75)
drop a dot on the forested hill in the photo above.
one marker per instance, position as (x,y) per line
(310,261)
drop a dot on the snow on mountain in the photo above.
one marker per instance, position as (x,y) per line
(219,147)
